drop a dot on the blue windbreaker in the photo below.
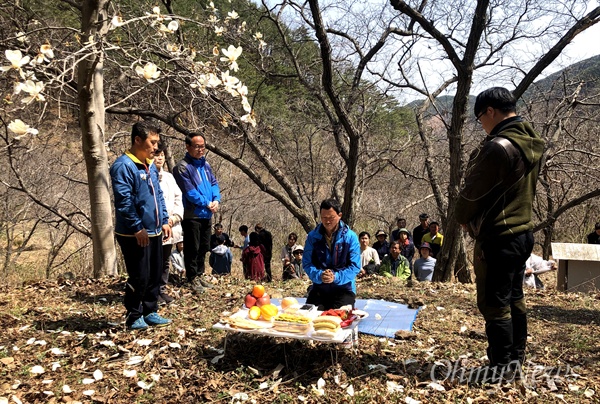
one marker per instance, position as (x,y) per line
(139,202)
(199,186)
(343,258)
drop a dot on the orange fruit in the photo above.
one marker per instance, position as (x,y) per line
(258,291)
(254,313)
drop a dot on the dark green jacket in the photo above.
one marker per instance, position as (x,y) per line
(500,181)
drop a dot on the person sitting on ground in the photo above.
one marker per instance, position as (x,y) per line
(331,260)
(289,247)
(401,224)
(534,266)
(382,246)
(407,247)
(369,259)
(395,264)
(434,238)
(293,269)
(594,237)
(220,258)
(177,259)
(252,259)
(425,265)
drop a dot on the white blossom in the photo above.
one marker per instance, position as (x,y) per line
(34,89)
(150,72)
(16,59)
(173,26)
(21,37)
(249,118)
(219,31)
(116,21)
(20,128)
(232,54)
(233,15)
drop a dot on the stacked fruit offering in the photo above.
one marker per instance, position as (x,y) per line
(259,304)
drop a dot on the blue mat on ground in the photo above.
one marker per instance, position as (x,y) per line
(385,318)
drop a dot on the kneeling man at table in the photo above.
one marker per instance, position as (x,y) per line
(331,260)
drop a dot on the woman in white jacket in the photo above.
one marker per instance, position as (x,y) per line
(172,195)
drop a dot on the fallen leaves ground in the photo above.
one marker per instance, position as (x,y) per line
(65,341)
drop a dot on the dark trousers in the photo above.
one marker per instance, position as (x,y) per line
(196,243)
(499,268)
(268,274)
(164,278)
(325,300)
(144,269)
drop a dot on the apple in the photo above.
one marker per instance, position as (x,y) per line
(263,300)
(250,300)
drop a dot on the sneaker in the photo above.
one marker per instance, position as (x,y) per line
(139,324)
(156,320)
(206,284)
(163,298)
(197,287)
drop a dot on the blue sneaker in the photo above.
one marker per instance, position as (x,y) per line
(155,320)
(138,324)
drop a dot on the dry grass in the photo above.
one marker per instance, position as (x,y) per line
(84,318)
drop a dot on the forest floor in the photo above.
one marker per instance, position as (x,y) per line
(65,341)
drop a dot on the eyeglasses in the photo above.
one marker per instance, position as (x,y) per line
(198,146)
(478,118)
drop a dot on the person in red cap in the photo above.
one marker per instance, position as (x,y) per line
(425,265)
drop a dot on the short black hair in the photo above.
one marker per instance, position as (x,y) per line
(497,98)
(294,235)
(188,138)
(218,226)
(597,227)
(254,239)
(143,128)
(220,239)
(331,204)
(364,233)
(161,147)
(243,228)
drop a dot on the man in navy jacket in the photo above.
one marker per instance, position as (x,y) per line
(142,222)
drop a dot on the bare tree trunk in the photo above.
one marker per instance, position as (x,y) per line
(90,89)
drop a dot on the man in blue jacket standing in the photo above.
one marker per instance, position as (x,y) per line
(142,222)
(201,197)
(331,260)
